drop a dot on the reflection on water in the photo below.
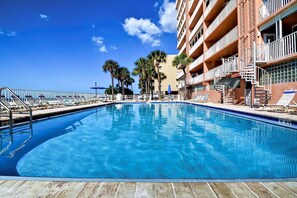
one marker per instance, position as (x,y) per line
(22,139)
(7,138)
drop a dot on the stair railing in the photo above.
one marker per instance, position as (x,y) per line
(9,114)
(25,105)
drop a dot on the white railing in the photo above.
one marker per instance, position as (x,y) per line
(196,80)
(277,49)
(181,84)
(222,43)
(196,28)
(197,62)
(180,39)
(282,47)
(22,93)
(211,74)
(195,13)
(179,75)
(263,78)
(231,65)
(221,17)
(182,50)
(271,6)
(197,44)
(210,6)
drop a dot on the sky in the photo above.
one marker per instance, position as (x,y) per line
(61,45)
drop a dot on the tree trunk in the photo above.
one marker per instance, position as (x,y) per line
(123,89)
(112,87)
(185,80)
(159,81)
(147,90)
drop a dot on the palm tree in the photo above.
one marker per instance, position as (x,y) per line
(158,57)
(123,74)
(129,81)
(141,71)
(111,66)
(182,60)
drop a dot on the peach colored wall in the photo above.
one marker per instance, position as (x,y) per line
(278,89)
(239,93)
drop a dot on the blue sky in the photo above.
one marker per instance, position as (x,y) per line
(62,44)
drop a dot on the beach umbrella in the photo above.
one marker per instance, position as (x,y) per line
(169,89)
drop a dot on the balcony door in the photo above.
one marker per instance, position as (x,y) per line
(269,37)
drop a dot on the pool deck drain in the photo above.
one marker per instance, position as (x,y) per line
(29,188)
(15,188)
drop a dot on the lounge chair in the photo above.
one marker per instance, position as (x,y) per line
(284,102)
(73,99)
(198,97)
(7,103)
(202,98)
(45,102)
(31,102)
(64,100)
(18,102)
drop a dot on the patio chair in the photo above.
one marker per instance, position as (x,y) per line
(204,98)
(18,103)
(198,97)
(45,102)
(31,102)
(73,99)
(64,100)
(284,102)
(7,103)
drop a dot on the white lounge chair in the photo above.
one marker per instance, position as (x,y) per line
(284,102)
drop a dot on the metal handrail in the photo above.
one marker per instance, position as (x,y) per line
(27,106)
(9,113)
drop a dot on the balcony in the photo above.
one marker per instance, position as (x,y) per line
(212,73)
(270,7)
(181,84)
(196,80)
(195,14)
(229,38)
(221,17)
(183,49)
(181,39)
(196,63)
(180,75)
(209,7)
(196,28)
(195,47)
(278,49)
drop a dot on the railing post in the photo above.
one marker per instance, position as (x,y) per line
(254,61)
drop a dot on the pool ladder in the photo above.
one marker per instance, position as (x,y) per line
(4,105)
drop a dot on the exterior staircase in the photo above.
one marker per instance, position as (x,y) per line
(257,76)
(229,66)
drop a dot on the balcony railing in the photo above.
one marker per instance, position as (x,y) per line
(196,80)
(271,6)
(210,6)
(221,17)
(181,84)
(196,28)
(182,50)
(197,62)
(222,43)
(195,12)
(197,44)
(179,75)
(278,49)
(210,74)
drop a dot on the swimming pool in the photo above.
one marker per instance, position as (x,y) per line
(150,141)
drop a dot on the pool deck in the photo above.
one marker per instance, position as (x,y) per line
(37,188)
(19,188)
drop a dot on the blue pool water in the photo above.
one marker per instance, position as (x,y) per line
(154,141)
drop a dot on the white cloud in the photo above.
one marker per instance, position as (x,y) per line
(113,47)
(143,29)
(167,14)
(93,26)
(103,49)
(43,16)
(8,33)
(98,41)
(156,4)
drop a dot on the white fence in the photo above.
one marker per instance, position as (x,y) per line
(278,49)
(51,95)
(271,6)
(196,80)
